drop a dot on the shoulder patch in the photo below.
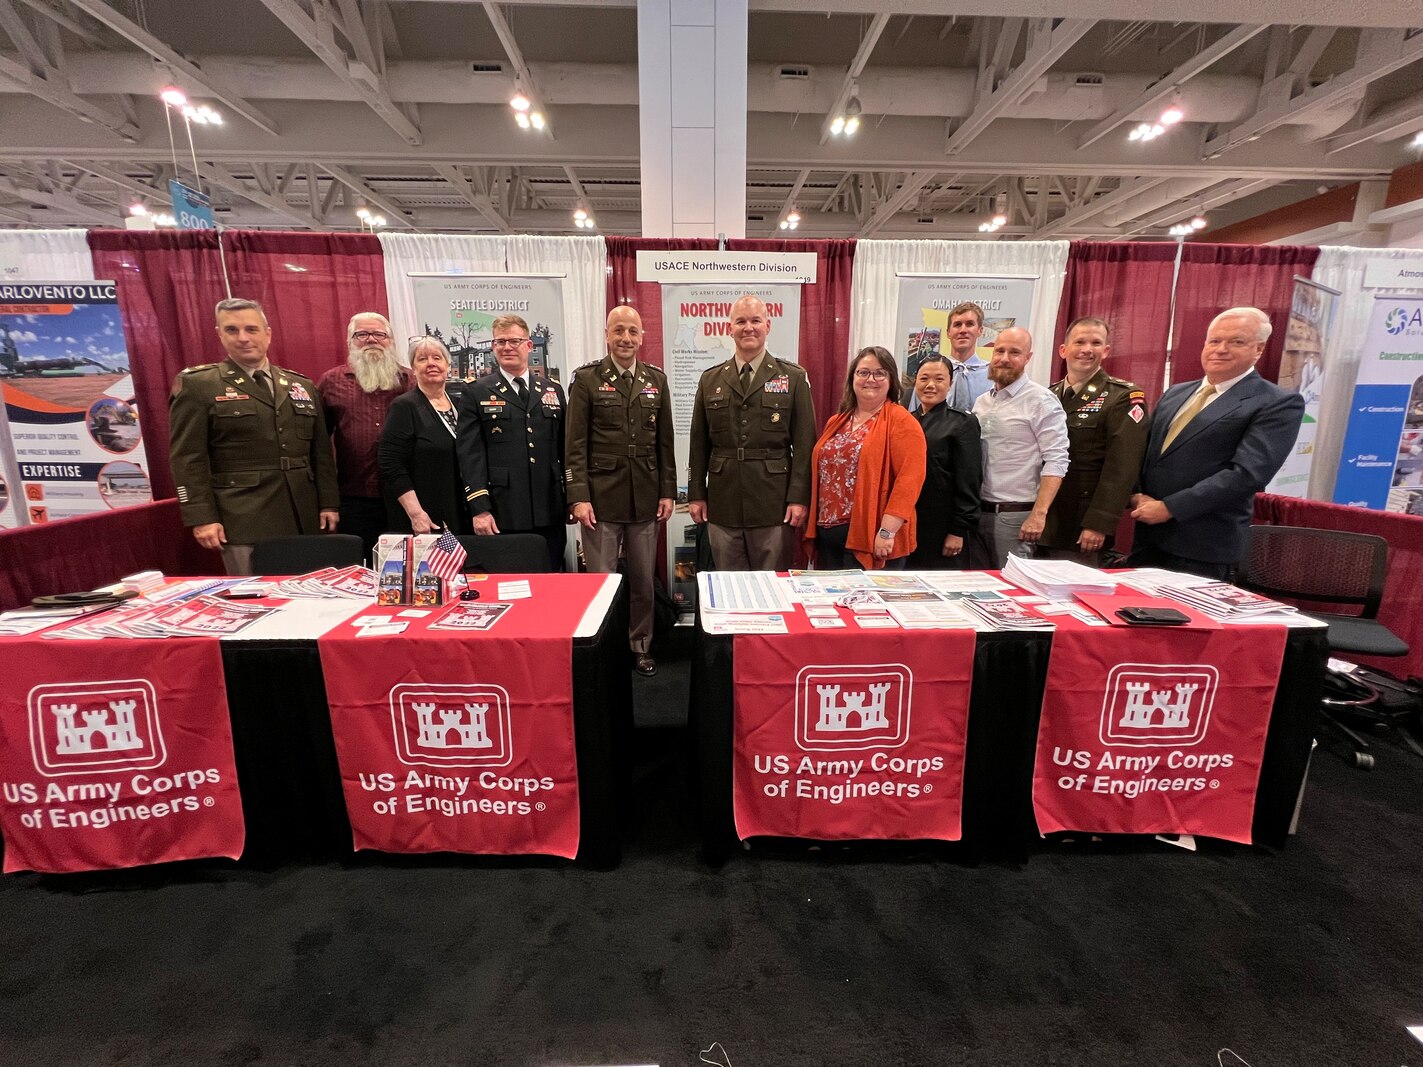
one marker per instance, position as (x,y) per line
(1122,382)
(200,366)
(585,366)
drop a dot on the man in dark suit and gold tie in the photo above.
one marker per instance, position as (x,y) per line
(1213,444)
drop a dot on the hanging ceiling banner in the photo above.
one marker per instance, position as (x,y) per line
(696,336)
(73,443)
(1308,333)
(741,268)
(460,310)
(1381,465)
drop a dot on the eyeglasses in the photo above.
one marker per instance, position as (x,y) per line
(508,342)
(871,375)
(370,335)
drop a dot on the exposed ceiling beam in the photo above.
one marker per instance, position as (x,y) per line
(908,190)
(455,177)
(123,181)
(62,18)
(577,185)
(195,81)
(60,201)
(516,59)
(394,213)
(1396,120)
(1168,84)
(317,32)
(1082,213)
(1046,45)
(791,196)
(9,212)
(1216,197)
(1380,53)
(219,175)
(56,94)
(857,66)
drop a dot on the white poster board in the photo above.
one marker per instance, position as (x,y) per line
(1302,370)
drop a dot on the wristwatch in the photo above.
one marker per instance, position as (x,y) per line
(884,533)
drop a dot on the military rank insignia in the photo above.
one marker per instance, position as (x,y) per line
(298,392)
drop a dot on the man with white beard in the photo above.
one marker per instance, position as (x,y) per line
(356,397)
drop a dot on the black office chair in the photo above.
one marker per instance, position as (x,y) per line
(505,554)
(1302,564)
(306,553)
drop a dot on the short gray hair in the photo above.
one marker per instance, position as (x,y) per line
(417,343)
(351,326)
(238,303)
(1263,327)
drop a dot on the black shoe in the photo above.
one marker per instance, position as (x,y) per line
(644,664)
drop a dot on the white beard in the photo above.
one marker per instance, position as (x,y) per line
(376,368)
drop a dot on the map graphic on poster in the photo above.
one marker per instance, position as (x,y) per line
(460,310)
(70,437)
(696,336)
(1381,465)
(1302,371)
(925,301)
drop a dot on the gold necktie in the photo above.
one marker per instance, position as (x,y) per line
(1187,413)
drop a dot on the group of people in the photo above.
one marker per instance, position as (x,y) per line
(980,463)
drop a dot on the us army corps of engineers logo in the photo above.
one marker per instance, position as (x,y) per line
(95,727)
(451,725)
(848,708)
(1151,705)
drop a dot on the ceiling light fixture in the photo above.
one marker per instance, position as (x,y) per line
(520,101)
(791,220)
(1174,112)
(138,210)
(536,119)
(173,97)
(847,121)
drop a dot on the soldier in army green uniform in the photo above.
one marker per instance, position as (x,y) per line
(248,445)
(621,467)
(753,429)
(1106,432)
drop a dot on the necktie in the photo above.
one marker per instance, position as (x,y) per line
(627,378)
(1187,413)
(266,379)
(523,390)
(958,392)
(744,381)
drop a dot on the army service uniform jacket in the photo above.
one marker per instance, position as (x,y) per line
(511,456)
(620,451)
(1106,434)
(261,469)
(751,446)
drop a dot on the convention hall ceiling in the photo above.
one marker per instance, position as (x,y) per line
(403,108)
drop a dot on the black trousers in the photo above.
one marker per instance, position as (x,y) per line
(363,516)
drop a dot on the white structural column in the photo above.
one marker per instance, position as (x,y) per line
(692,109)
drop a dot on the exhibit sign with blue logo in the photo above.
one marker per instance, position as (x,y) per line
(1382,462)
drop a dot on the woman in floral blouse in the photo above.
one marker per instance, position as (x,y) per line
(868,469)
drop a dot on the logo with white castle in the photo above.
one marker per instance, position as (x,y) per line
(845,708)
(95,727)
(1158,705)
(451,725)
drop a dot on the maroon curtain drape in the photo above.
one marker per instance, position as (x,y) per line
(824,306)
(168,282)
(309,283)
(1128,283)
(1216,277)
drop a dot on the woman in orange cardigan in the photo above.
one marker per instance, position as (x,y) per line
(868,469)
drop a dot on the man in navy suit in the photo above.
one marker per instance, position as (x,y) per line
(1212,446)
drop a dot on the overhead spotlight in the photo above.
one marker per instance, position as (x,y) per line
(519,101)
(522,119)
(580,215)
(1199,223)
(793,218)
(1146,131)
(1000,219)
(173,97)
(537,118)
(164,219)
(138,210)
(363,213)
(193,114)
(852,116)
(1417,141)
(1174,112)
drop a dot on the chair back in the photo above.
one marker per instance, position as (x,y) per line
(519,553)
(1325,566)
(306,553)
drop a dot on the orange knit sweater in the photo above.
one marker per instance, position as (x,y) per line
(887,482)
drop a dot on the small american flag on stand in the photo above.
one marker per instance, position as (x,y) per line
(446,556)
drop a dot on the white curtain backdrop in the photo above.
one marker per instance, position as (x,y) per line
(583,261)
(433,252)
(45,256)
(1342,268)
(874,293)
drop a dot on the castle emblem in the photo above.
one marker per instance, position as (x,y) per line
(451,725)
(847,708)
(462,727)
(1158,705)
(94,727)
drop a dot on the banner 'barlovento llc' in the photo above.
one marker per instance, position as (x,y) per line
(866,749)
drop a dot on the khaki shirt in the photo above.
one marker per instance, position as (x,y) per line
(751,444)
(262,468)
(620,454)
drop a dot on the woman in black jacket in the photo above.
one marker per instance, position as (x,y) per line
(947,512)
(419,471)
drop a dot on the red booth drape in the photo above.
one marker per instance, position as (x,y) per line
(1127,283)
(1216,277)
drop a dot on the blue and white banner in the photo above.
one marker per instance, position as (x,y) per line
(1382,463)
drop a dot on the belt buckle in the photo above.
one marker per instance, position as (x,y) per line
(286,462)
(740,455)
(632,451)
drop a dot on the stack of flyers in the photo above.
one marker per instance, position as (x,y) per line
(203,616)
(1057,579)
(328,583)
(1221,600)
(470,615)
(1008,614)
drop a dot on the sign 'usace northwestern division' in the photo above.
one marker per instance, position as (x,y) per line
(1170,742)
(843,751)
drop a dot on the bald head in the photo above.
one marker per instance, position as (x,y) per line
(1011,352)
(624,335)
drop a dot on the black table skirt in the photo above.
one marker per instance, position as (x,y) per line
(286,757)
(1009,677)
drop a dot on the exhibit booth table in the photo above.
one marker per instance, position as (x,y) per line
(848,726)
(304,728)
